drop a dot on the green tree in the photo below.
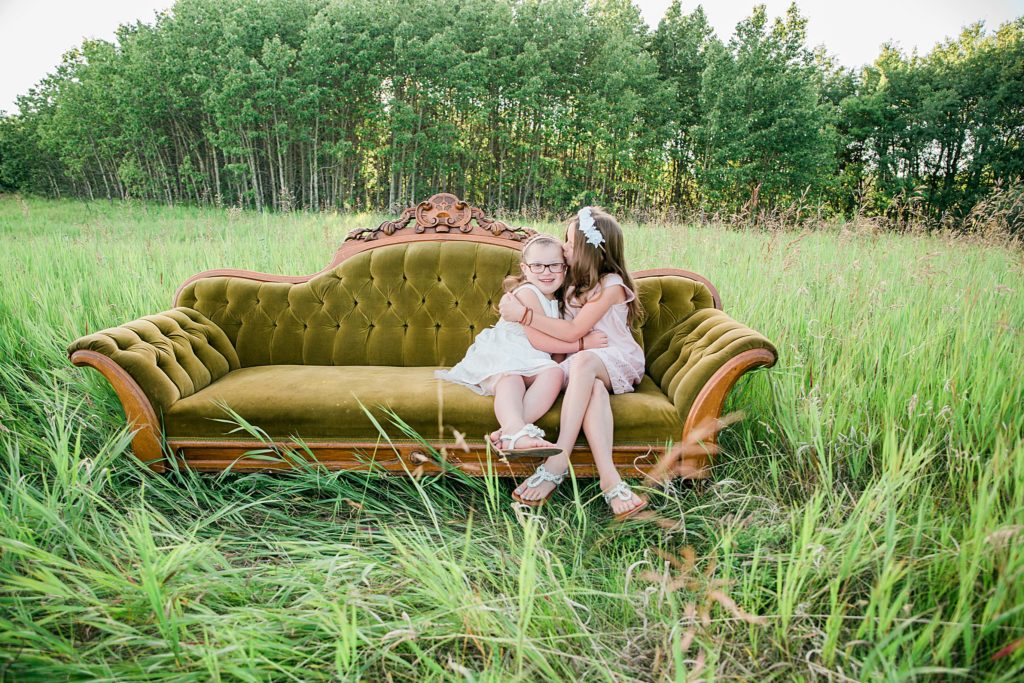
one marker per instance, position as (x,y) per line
(767,137)
(681,46)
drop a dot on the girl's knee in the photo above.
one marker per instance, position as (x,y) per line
(585,363)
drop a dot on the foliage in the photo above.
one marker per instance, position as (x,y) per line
(766,136)
(518,104)
(937,133)
(869,509)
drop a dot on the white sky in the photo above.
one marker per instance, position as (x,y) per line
(35,33)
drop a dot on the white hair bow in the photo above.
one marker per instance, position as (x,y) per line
(588,228)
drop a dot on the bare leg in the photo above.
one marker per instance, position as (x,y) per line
(598,426)
(541,392)
(586,368)
(508,408)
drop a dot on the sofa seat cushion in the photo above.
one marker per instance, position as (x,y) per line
(319,403)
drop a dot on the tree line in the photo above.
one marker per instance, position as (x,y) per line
(517,105)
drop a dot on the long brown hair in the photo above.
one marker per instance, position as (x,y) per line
(594,262)
(513,281)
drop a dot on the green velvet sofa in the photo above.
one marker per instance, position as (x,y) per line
(327,366)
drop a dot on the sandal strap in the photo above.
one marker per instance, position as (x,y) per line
(541,476)
(620,491)
(529,429)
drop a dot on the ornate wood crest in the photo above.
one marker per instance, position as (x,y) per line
(443,213)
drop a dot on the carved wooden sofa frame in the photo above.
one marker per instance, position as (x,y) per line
(441,218)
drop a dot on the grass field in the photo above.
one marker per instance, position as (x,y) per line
(865,521)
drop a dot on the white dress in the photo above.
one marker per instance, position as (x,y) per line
(502,350)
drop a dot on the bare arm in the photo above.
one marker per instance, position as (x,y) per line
(567,330)
(543,341)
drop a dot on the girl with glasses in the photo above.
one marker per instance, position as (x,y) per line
(514,363)
(600,296)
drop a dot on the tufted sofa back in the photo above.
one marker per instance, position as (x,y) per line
(668,299)
(407,304)
(410,304)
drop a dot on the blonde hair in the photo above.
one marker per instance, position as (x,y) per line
(512,281)
(593,262)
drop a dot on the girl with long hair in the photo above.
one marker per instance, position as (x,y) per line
(600,295)
(514,364)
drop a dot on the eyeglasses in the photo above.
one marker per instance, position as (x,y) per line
(538,268)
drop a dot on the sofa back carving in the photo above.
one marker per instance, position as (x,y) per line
(406,304)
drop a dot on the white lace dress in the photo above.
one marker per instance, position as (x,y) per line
(501,350)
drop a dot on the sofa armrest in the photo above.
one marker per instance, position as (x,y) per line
(169,356)
(698,360)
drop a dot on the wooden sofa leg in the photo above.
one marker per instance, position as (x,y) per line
(711,400)
(146,443)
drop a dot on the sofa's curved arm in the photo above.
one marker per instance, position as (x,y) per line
(711,399)
(169,356)
(698,361)
(137,408)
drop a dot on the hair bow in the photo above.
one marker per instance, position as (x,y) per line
(589,228)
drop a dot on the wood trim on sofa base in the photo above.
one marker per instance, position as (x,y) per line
(404,458)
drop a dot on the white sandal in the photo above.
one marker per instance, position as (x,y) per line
(530,430)
(535,480)
(623,492)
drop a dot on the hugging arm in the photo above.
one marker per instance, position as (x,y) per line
(545,342)
(548,343)
(567,330)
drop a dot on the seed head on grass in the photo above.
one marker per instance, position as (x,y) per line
(707,591)
(698,442)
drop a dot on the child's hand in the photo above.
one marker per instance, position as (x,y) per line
(595,340)
(511,309)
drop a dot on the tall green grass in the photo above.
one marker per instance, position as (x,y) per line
(865,520)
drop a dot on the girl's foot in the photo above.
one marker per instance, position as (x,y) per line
(556,466)
(622,500)
(528,441)
(522,442)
